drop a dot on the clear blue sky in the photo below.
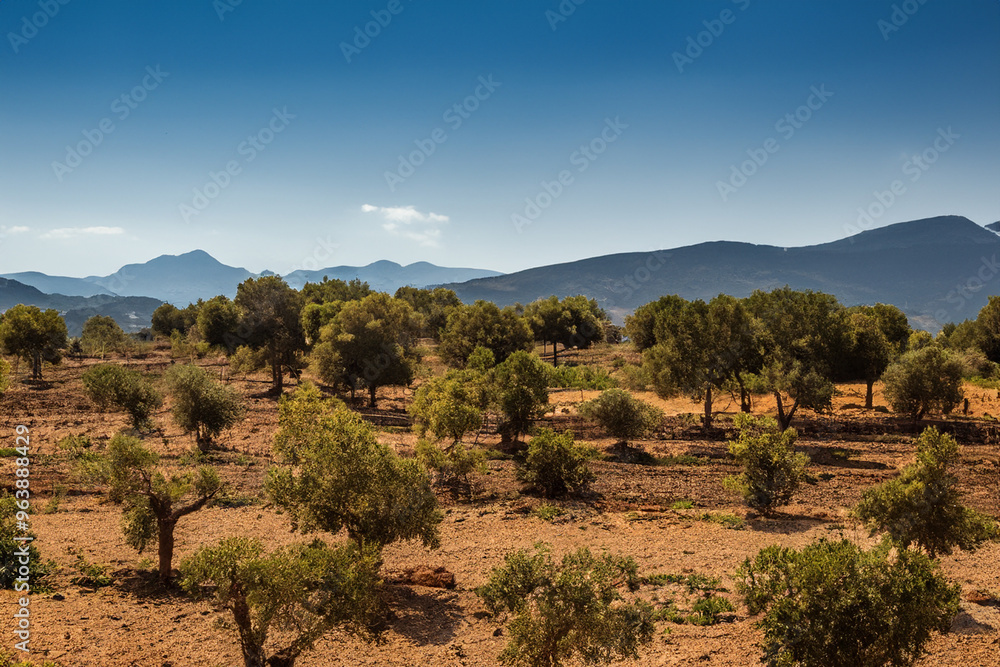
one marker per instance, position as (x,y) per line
(310,128)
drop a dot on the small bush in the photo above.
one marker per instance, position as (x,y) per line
(580,377)
(92,575)
(113,386)
(451,465)
(555,465)
(248,360)
(308,589)
(573,608)
(924,380)
(548,512)
(772,471)
(834,604)
(201,404)
(622,415)
(923,505)
(9,560)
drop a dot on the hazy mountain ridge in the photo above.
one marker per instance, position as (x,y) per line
(925,267)
(132,313)
(183,279)
(936,270)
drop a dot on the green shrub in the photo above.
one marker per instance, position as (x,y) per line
(573,608)
(248,360)
(308,589)
(622,415)
(113,386)
(923,380)
(923,505)
(580,377)
(343,478)
(201,404)
(92,575)
(834,604)
(548,512)
(451,465)
(555,465)
(448,407)
(521,386)
(9,560)
(772,471)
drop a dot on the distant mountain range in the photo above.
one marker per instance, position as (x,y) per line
(936,270)
(132,313)
(183,279)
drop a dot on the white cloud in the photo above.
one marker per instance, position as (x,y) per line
(11,231)
(409,223)
(73,232)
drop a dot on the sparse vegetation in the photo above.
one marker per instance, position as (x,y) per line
(555,465)
(305,590)
(152,503)
(772,470)
(202,405)
(108,386)
(833,603)
(923,505)
(575,607)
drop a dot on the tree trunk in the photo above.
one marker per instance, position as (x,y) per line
(36,366)
(371,395)
(165,548)
(745,404)
(785,420)
(708,405)
(252,647)
(555,353)
(868,395)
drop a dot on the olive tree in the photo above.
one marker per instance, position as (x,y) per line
(832,603)
(923,506)
(34,334)
(701,347)
(113,386)
(622,415)
(574,321)
(152,502)
(368,344)
(923,380)
(521,392)
(483,324)
(101,334)
(337,475)
(270,314)
(305,590)
(202,405)
(573,608)
(772,470)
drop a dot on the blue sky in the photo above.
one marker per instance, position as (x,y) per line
(498,135)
